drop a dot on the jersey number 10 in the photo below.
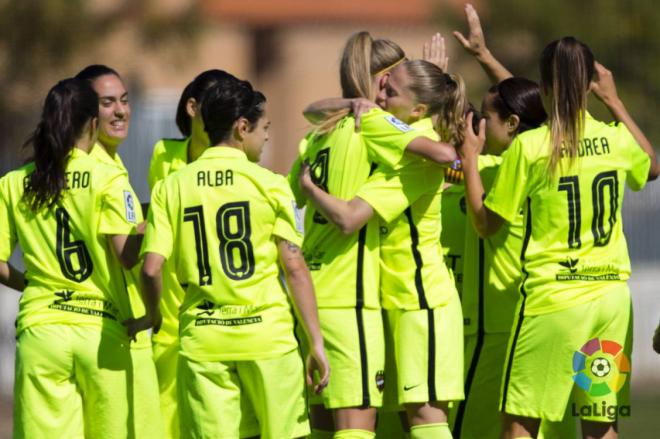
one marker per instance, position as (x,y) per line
(571,185)
(236,251)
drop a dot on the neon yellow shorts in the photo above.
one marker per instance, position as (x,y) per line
(355,347)
(211,403)
(146,410)
(577,357)
(478,416)
(428,354)
(71,380)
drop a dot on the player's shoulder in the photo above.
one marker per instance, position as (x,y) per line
(170,147)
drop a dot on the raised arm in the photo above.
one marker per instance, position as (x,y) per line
(485,221)
(11,277)
(475,45)
(304,303)
(604,88)
(348,216)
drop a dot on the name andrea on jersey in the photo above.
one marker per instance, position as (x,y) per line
(589,147)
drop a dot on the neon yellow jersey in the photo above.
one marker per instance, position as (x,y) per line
(452,236)
(169,156)
(492,269)
(72,274)
(344,268)
(217,221)
(573,246)
(407,200)
(132,276)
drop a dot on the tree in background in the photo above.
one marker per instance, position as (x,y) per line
(44,41)
(624,36)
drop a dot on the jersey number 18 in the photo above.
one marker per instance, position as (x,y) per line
(234,231)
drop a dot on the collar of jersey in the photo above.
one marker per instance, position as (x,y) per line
(222,151)
(99,153)
(77,153)
(423,124)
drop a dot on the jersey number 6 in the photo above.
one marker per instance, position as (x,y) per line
(234,231)
(76,269)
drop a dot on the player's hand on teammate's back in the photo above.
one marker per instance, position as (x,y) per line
(143,323)
(316,361)
(360,106)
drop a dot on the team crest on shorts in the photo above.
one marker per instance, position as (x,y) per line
(380,380)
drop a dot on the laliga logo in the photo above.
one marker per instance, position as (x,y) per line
(600,367)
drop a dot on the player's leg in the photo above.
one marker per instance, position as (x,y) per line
(549,352)
(602,366)
(209,394)
(429,354)
(146,404)
(478,416)
(275,388)
(104,373)
(355,349)
(46,401)
(165,356)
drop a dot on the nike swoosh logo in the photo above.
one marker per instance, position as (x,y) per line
(406,388)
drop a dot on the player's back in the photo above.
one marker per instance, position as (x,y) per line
(339,165)
(226,213)
(72,274)
(574,244)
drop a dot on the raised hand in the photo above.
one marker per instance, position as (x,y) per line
(475,43)
(434,51)
(603,84)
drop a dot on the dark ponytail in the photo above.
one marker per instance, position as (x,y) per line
(224,104)
(521,97)
(67,108)
(196,89)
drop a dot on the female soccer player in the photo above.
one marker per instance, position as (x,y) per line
(114,121)
(423,309)
(569,176)
(69,215)
(491,267)
(170,155)
(223,238)
(345,268)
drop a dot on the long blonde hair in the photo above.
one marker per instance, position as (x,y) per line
(443,94)
(362,59)
(567,66)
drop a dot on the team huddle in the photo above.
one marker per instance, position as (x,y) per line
(425,270)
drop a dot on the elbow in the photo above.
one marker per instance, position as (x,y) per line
(348,226)
(484,232)
(654,172)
